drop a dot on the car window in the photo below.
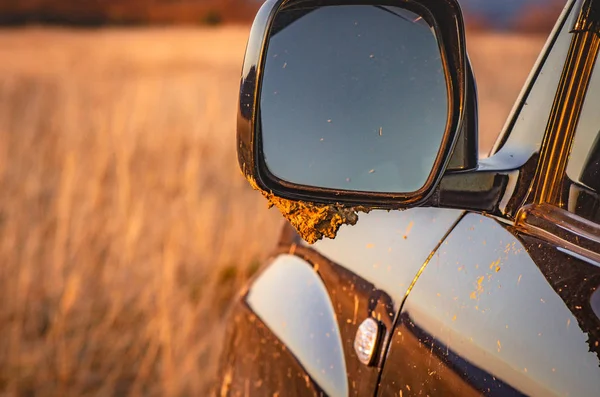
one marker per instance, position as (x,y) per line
(584,163)
(526,125)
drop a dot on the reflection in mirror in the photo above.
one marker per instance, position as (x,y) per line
(353,97)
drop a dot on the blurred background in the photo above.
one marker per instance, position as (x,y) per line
(125,227)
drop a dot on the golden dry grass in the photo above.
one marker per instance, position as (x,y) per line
(125,226)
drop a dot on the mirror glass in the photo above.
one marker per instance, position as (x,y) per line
(353,97)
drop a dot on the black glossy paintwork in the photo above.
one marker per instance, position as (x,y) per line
(380,256)
(256,363)
(301,318)
(465,156)
(497,313)
(365,272)
(387,249)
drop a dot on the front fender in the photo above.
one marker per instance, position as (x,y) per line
(284,337)
(305,308)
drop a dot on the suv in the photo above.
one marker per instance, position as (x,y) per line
(409,266)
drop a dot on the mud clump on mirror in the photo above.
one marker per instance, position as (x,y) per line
(312,221)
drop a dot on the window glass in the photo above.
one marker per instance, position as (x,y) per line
(527,123)
(584,163)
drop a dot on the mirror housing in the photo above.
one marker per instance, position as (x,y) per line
(318,211)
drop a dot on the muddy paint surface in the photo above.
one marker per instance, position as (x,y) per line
(312,221)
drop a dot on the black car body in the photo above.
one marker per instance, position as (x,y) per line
(489,286)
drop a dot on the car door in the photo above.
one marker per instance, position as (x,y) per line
(501,310)
(497,312)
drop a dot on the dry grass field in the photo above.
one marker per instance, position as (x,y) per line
(125,226)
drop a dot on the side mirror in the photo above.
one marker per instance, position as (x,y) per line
(350,106)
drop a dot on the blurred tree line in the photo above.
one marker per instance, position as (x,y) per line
(126,12)
(533,18)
